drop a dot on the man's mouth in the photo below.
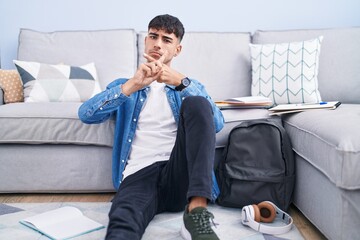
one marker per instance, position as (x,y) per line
(155,55)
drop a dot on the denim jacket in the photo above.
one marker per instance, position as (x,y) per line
(126,109)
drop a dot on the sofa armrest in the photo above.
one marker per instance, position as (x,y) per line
(1,96)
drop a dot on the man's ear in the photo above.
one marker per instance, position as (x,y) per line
(178,50)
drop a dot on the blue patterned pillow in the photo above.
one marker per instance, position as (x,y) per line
(57,83)
(286,72)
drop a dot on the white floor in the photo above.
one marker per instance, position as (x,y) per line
(164,226)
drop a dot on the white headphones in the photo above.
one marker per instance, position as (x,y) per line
(266,212)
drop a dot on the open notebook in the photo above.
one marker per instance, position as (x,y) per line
(62,223)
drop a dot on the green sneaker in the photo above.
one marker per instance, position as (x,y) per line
(197,225)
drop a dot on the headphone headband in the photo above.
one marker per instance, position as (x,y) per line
(248,215)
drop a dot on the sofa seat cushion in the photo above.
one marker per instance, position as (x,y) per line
(54,123)
(330,141)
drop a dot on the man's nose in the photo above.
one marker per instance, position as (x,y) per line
(157,44)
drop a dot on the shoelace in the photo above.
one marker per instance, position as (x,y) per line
(202,221)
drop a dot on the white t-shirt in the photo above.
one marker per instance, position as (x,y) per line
(155,132)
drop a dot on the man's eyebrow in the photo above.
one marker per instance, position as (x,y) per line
(157,35)
(153,34)
(168,38)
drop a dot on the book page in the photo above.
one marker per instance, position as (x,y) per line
(71,228)
(64,222)
(53,217)
(245,102)
(250,99)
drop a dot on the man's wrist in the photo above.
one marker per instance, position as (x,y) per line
(127,87)
(185,82)
(123,90)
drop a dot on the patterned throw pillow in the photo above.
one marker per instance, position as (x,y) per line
(57,83)
(286,72)
(12,86)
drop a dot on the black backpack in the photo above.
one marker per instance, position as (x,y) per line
(257,165)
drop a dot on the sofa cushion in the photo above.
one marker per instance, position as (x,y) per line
(339,63)
(221,61)
(286,72)
(330,141)
(12,86)
(114,52)
(55,168)
(55,123)
(57,83)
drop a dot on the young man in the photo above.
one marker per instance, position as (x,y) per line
(164,140)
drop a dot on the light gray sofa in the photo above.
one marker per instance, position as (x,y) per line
(45,148)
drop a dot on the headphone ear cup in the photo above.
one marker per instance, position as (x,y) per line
(267,212)
(257,216)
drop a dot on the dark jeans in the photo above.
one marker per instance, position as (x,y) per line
(168,185)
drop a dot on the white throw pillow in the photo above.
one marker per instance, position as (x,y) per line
(286,72)
(57,83)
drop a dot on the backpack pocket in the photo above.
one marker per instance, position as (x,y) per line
(238,192)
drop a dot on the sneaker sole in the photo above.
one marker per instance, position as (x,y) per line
(185,233)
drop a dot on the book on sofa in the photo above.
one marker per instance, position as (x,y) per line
(293,108)
(62,223)
(245,102)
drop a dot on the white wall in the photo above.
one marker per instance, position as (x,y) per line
(196,15)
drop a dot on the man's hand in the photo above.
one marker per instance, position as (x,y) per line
(167,74)
(170,76)
(145,74)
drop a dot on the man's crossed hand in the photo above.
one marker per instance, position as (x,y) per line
(152,70)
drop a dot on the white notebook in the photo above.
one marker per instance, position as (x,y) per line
(293,108)
(62,223)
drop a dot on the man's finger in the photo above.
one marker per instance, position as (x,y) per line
(158,76)
(162,58)
(153,66)
(149,58)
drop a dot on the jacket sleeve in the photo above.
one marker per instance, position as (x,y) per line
(101,107)
(197,89)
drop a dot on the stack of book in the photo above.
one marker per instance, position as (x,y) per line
(245,102)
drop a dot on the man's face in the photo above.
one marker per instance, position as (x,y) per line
(158,41)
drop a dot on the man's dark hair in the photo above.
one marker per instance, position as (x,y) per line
(169,24)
